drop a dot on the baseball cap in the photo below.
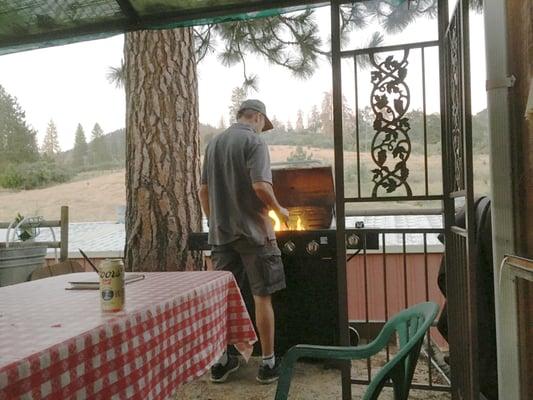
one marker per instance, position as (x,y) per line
(259,106)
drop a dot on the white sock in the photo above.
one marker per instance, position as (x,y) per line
(270,360)
(223,360)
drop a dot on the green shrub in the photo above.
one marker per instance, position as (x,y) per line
(103,166)
(299,155)
(32,175)
(298,139)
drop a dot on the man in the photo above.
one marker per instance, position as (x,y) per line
(236,195)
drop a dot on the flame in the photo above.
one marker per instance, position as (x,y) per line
(277,222)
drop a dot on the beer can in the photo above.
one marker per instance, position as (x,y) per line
(112,285)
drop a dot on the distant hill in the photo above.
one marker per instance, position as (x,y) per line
(115,142)
(483,115)
(480,132)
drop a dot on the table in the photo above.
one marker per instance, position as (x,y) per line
(57,344)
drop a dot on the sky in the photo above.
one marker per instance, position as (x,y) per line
(68,83)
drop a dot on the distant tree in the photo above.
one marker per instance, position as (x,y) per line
(99,152)
(50,147)
(366,128)
(116,145)
(299,155)
(348,123)
(221,123)
(80,150)
(290,129)
(207,132)
(18,141)
(300,121)
(279,127)
(314,125)
(326,114)
(238,95)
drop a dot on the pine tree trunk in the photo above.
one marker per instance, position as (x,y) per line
(162,150)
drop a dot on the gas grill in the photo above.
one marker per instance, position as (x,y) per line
(308,194)
(307,310)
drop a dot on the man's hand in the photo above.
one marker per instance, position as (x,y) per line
(283,215)
(204,200)
(264,191)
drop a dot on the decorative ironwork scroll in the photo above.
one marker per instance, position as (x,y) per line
(455,116)
(391,145)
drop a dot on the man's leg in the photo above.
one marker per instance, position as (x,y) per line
(224,258)
(264,319)
(265,273)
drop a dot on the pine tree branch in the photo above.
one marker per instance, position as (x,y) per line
(248,82)
(274,33)
(291,41)
(205,42)
(264,52)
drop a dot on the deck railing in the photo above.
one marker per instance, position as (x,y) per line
(62,223)
(401,273)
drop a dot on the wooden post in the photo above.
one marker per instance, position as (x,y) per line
(520,34)
(508,38)
(63,255)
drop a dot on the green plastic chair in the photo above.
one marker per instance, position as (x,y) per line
(411,325)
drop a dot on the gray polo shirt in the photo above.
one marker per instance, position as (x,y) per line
(234,160)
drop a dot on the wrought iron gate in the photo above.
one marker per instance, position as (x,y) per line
(458,187)
(390,150)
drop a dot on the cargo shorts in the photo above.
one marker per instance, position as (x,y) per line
(261,264)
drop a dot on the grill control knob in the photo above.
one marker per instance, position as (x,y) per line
(289,247)
(312,247)
(352,240)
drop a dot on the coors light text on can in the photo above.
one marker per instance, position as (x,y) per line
(112,285)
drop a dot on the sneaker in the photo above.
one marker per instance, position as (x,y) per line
(267,375)
(220,373)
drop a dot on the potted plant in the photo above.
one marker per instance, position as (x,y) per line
(20,255)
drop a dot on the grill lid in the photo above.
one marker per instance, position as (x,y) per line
(307,191)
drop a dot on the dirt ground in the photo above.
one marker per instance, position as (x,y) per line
(311,382)
(91,199)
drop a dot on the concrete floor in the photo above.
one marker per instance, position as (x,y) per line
(311,381)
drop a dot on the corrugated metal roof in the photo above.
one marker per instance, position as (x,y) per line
(107,239)
(397,221)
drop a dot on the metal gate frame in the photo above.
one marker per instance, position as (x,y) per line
(457,167)
(344,332)
(460,242)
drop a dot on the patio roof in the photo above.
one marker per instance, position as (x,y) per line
(31,24)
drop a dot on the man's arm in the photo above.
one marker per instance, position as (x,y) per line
(204,199)
(264,191)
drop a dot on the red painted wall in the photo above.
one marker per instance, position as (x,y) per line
(405,283)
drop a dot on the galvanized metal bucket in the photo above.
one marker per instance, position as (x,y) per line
(19,260)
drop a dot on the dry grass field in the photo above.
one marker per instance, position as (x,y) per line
(96,196)
(90,199)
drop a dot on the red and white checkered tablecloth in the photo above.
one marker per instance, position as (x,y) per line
(57,344)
